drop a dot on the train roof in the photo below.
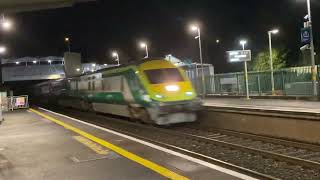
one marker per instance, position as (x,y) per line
(122,65)
(105,69)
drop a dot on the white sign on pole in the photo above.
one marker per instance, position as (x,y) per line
(239,56)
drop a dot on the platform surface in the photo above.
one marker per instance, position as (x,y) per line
(34,147)
(265,104)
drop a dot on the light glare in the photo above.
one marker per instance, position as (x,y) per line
(2,49)
(172,88)
(243,42)
(114,54)
(6,25)
(275,31)
(194,28)
(159,96)
(143,45)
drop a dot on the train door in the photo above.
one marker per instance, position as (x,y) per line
(125,89)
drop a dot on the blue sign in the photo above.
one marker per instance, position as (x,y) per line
(305,35)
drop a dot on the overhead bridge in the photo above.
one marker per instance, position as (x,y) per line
(32,69)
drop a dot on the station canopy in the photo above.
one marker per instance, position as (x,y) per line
(7,6)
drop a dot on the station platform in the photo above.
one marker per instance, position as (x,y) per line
(39,144)
(300,106)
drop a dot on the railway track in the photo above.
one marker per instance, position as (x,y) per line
(258,156)
(303,154)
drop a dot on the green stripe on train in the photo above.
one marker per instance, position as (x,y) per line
(136,88)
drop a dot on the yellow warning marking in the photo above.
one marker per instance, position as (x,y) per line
(146,163)
(94,146)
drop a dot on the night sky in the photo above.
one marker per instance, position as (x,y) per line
(99,27)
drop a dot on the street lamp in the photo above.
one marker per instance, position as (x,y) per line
(145,45)
(5,23)
(196,28)
(313,63)
(274,31)
(2,49)
(67,40)
(116,55)
(243,43)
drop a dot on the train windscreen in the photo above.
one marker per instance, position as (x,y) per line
(166,75)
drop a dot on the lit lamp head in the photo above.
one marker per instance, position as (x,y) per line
(78,69)
(274,31)
(2,49)
(34,62)
(6,25)
(194,28)
(66,39)
(114,54)
(243,42)
(143,45)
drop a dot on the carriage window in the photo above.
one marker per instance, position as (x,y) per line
(89,85)
(112,83)
(158,76)
(93,85)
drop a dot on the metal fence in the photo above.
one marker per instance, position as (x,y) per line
(288,82)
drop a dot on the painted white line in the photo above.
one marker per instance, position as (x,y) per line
(192,159)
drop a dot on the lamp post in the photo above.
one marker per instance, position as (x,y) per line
(2,51)
(116,55)
(313,63)
(145,46)
(196,28)
(243,43)
(274,31)
(67,40)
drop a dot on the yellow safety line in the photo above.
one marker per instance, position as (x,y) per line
(92,145)
(146,163)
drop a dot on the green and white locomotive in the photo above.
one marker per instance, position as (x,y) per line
(154,91)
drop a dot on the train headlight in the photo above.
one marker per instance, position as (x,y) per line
(189,93)
(146,98)
(172,88)
(158,96)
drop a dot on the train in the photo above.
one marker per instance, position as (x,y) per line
(153,91)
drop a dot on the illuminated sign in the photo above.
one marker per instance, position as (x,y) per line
(305,35)
(239,56)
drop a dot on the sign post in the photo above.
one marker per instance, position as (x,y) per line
(241,56)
